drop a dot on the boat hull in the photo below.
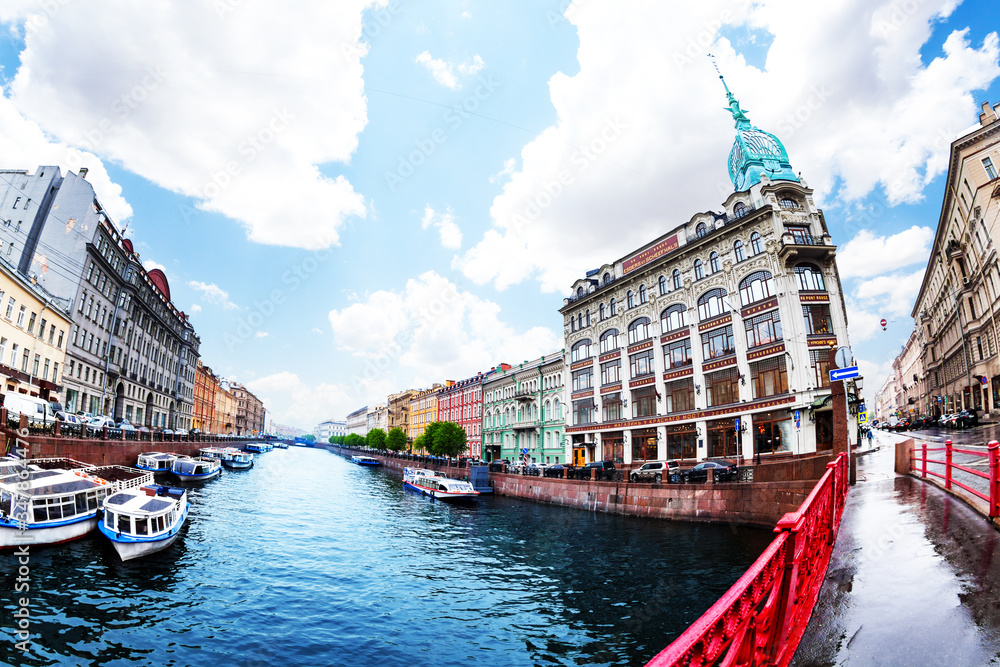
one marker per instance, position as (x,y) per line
(129,549)
(237,465)
(438,494)
(198,478)
(11,535)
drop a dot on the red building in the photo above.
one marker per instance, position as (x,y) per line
(462,402)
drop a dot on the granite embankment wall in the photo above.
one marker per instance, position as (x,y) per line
(779,488)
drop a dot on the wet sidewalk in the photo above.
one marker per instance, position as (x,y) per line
(914,578)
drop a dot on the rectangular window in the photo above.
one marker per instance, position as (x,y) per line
(642,363)
(31,323)
(13,355)
(677,354)
(769,377)
(10,308)
(611,372)
(45,370)
(718,342)
(800,235)
(679,395)
(723,387)
(990,169)
(3,348)
(35,363)
(820,360)
(763,329)
(583,411)
(817,319)
(55,372)
(20,317)
(644,402)
(25,358)
(682,441)
(612,407)
(583,379)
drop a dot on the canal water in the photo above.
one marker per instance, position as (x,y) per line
(307,559)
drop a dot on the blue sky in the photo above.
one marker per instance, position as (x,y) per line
(352,200)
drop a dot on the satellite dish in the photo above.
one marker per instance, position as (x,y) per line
(844,357)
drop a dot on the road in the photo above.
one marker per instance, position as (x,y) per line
(914,578)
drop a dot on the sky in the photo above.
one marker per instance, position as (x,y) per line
(357,197)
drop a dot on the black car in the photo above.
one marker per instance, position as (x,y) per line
(557,470)
(605,469)
(723,471)
(968,418)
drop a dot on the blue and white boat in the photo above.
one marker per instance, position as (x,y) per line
(258,447)
(237,460)
(158,463)
(144,520)
(366,460)
(280,445)
(436,485)
(196,469)
(40,507)
(211,452)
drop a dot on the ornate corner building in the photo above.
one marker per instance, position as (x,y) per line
(714,339)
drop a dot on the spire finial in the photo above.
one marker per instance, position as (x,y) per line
(739,115)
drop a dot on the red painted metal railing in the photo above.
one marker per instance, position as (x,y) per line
(992,477)
(761,619)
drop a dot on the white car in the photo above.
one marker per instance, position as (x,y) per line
(126,425)
(98,423)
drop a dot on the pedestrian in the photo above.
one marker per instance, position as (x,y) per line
(871,437)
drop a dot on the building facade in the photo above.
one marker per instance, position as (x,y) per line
(131,352)
(956,310)
(524,414)
(206,384)
(33,336)
(326,430)
(357,422)
(249,411)
(225,410)
(462,402)
(378,417)
(714,339)
(423,410)
(399,411)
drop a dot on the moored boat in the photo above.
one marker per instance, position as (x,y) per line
(158,463)
(39,506)
(366,460)
(258,447)
(194,469)
(211,452)
(144,520)
(237,460)
(436,485)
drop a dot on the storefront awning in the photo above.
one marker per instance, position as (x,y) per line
(821,402)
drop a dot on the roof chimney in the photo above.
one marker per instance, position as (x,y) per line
(988,115)
(83,172)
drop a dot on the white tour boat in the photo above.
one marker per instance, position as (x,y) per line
(48,506)
(157,463)
(144,520)
(234,459)
(436,485)
(211,452)
(365,460)
(196,469)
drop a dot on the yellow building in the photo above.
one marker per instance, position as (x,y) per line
(33,336)
(423,411)
(225,411)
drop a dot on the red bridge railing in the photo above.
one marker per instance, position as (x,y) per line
(761,619)
(992,477)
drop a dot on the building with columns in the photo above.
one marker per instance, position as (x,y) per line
(524,414)
(712,340)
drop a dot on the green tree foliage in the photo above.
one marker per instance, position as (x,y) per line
(443,439)
(354,440)
(337,439)
(310,437)
(396,440)
(375,439)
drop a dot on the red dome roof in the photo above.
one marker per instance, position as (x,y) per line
(160,280)
(128,245)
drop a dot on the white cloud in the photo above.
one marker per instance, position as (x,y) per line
(241,127)
(262,334)
(444,71)
(212,293)
(195,308)
(508,170)
(149,265)
(432,331)
(849,97)
(294,402)
(316,330)
(894,293)
(451,235)
(868,255)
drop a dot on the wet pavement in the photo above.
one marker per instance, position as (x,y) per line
(914,578)
(973,439)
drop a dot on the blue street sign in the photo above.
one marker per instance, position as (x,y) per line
(737,425)
(843,373)
(524,450)
(798,415)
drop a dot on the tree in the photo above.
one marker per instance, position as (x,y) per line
(449,439)
(375,439)
(354,440)
(310,438)
(396,440)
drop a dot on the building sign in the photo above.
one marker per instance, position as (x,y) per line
(642,382)
(583,394)
(583,363)
(721,363)
(611,387)
(822,342)
(718,321)
(639,347)
(610,355)
(649,254)
(760,307)
(814,298)
(675,335)
(683,372)
(769,350)
(689,416)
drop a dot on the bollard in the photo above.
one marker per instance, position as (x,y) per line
(923,472)
(994,457)
(947,464)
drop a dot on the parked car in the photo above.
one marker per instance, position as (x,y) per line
(654,471)
(180,431)
(723,471)
(126,425)
(968,418)
(68,417)
(605,469)
(557,470)
(98,423)
(536,469)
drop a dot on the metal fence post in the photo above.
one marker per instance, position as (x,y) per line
(947,464)
(923,472)
(994,457)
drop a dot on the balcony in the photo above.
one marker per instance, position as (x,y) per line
(525,425)
(523,395)
(798,247)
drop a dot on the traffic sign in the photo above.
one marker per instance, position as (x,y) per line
(524,450)
(844,373)
(862,417)
(844,357)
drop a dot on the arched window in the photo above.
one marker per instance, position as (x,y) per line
(642,294)
(758,286)
(547,410)
(673,318)
(677,279)
(710,304)
(630,299)
(607,278)
(580,350)
(739,251)
(614,307)
(579,292)
(638,330)
(788,203)
(586,318)
(701,229)
(609,341)
(810,278)
(600,311)
(713,262)
(663,285)
(572,324)
(755,243)
(740,209)
(699,270)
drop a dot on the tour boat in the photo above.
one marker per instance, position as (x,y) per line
(144,520)
(48,506)
(281,445)
(258,447)
(156,462)
(196,469)
(236,460)
(211,452)
(436,485)
(366,460)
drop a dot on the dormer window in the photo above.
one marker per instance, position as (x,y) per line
(739,210)
(788,204)
(701,230)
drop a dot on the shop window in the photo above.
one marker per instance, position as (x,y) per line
(769,377)
(773,432)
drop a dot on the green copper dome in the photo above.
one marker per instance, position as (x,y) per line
(755,151)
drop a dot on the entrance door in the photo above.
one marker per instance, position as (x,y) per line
(579,456)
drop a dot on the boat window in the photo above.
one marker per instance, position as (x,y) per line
(109,520)
(68,507)
(124,524)
(92,501)
(39,511)
(141,527)
(55,512)
(81,503)
(5,502)
(159,523)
